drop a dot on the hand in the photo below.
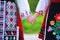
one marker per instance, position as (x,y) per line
(31,19)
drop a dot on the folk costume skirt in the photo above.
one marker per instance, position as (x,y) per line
(53,22)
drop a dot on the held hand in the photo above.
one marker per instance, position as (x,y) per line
(31,19)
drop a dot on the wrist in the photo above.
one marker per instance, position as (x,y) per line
(35,15)
(39,13)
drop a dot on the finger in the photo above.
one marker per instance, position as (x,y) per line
(33,21)
(30,21)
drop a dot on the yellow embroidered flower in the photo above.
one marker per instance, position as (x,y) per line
(52,22)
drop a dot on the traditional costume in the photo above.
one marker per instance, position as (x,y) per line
(41,8)
(50,29)
(10,21)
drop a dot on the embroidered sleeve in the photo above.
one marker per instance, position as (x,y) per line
(42,6)
(24,8)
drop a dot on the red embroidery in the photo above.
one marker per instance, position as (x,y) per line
(11,7)
(11,19)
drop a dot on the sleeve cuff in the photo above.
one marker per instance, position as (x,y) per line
(25,14)
(39,12)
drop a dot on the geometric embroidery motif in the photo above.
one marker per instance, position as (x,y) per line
(11,6)
(11,14)
(11,19)
(8,18)
(11,25)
